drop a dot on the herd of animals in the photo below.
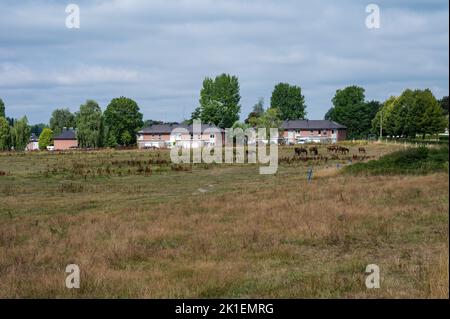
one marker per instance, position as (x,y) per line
(299,151)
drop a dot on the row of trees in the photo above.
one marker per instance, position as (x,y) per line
(414,112)
(411,113)
(220,103)
(13,133)
(117,125)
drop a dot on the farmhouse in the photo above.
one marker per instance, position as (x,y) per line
(159,136)
(33,143)
(66,140)
(317,131)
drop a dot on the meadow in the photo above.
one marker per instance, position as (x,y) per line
(139,226)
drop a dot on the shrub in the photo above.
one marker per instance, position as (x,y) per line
(419,160)
(46,138)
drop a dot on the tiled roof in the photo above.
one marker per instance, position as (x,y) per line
(68,134)
(312,125)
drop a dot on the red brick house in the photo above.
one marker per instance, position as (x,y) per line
(66,140)
(316,131)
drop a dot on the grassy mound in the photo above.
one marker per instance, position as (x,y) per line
(419,160)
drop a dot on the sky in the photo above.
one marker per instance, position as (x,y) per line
(158,52)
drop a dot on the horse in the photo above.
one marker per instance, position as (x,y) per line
(332,148)
(300,150)
(343,150)
(314,150)
(362,150)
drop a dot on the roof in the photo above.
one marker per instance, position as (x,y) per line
(312,125)
(33,138)
(168,128)
(66,135)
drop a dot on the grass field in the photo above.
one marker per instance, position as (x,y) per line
(141,227)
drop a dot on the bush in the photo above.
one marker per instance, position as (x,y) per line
(46,138)
(419,160)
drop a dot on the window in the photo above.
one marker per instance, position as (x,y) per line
(320,132)
(212,136)
(332,131)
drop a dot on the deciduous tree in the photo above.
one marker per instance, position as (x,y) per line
(219,101)
(46,138)
(89,124)
(21,131)
(61,118)
(5,134)
(2,108)
(123,119)
(289,101)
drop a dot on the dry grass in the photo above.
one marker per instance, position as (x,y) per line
(246,235)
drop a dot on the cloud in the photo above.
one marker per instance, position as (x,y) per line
(17,75)
(158,52)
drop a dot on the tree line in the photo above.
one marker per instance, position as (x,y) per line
(413,112)
(117,125)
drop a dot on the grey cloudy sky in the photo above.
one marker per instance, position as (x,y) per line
(158,52)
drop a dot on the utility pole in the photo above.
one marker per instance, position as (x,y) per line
(381,125)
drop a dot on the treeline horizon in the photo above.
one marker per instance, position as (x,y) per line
(413,112)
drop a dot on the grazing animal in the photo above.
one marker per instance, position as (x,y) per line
(314,150)
(343,150)
(362,150)
(300,150)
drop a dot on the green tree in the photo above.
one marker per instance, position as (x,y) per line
(385,114)
(148,123)
(413,112)
(36,129)
(219,101)
(126,138)
(444,105)
(350,109)
(432,122)
(21,131)
(61,118)
(329,116)
(289,101)
(46,138)
(123,119)
(111,140)
(371,109)
(258,108)
(257,112)
(5,134)
(2,108)
(270,119)
(89,124)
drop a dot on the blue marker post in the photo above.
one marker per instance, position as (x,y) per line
(310,174)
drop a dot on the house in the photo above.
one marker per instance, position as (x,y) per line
(189,136)
(33,143)
(66,140)
(316,131)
